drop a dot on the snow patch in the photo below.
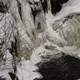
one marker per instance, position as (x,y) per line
(27,70)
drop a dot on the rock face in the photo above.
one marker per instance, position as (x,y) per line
(61,68)
(38,31)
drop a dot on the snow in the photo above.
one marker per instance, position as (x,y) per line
(27,70)
(72,6)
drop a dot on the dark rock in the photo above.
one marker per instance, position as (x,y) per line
(2,78)
(44,5)
(62,68)
(35,12)
(13,76)
(56,5)
(63,1)
(3,8)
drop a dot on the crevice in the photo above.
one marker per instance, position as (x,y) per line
(13,76)
(44,5)
(35,9)
(3,8)
(19,9)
